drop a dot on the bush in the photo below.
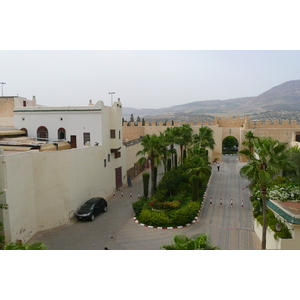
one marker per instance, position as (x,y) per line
(18,245)
(171,205)
(154,218)
(186,214)
(165,218)
(137,206)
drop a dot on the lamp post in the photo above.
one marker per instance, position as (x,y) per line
(2,87)
(111,93)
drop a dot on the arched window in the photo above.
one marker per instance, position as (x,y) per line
(61,134)
(42,133)
(24,129)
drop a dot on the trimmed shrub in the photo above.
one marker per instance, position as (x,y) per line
(137,206)
(154,218)
(195,187)
(186,214)
(171,205)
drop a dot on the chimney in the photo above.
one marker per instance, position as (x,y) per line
(90,102)
(33,101)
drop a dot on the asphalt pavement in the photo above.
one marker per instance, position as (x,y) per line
(229,225)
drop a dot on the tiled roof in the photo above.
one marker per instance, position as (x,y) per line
(290,211)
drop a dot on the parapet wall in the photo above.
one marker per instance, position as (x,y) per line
(272,124)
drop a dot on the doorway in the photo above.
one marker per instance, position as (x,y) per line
(118,174)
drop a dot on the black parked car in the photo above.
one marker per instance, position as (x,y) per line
(91,208)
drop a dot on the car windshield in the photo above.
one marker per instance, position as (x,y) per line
(88,206)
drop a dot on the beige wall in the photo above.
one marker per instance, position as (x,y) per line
(283,244)
(223,127)
(44,189)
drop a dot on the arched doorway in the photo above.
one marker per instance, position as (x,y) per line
(230,145)
(42,133)
(61,134)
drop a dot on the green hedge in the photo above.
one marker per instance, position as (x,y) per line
(181,216)
(138,205)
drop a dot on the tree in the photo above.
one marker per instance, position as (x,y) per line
(196,242)
(205,138)
(182,136)
(132,118)
(150,144)
(146,177)
(267,160)
(164,151)
(294,172)
(249,142)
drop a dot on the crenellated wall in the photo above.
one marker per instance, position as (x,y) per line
(284,131)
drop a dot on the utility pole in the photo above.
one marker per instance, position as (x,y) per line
(2,87)
(111,93)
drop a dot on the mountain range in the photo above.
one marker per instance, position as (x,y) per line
(285,96)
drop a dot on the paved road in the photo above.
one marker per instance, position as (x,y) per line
(229,227)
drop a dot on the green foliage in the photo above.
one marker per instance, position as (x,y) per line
(2,242)
(186,214)
(173,216)
(271,222)
(20,246)
(154,218)
(146,177)
(195,187)
(172,183)
(229,142)
(171,205)
(137,206)
(196,242)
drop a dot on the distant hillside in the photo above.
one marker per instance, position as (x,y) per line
(285,96)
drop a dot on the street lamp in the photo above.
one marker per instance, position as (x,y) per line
(2,87)
(111,93)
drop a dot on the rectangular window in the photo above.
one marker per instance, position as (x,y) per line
(86,137)
(104,163)
(117,154)
(108,157)
(119,134)
(112,134)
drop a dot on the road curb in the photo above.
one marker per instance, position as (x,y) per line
(175,227)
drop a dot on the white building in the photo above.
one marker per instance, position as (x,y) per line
(42,190)
(80,125)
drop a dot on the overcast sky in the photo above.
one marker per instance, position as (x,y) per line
(146,52)
(144,79)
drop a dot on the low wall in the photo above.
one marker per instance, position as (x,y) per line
(271,242)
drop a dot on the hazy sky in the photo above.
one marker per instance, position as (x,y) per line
(147,52)
(144,79)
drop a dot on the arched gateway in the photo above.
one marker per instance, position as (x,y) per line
(284,131)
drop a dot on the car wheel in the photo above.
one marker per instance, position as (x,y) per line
(105,208)
(92,217)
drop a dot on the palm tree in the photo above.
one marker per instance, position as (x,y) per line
(182,136)
(250,138)
(170,137)
(205,138)
(164,151)
(151,144)
(268,158)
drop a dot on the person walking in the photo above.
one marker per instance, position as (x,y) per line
(129,181)
(218,166)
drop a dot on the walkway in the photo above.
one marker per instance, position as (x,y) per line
(229,227)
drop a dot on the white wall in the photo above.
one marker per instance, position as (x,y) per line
(75,123)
